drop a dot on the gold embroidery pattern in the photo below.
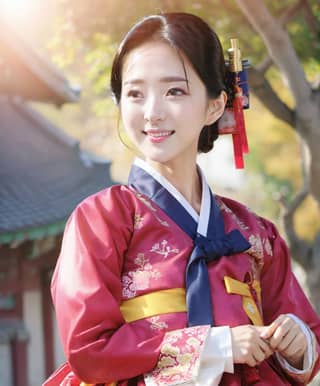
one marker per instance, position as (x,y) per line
(268,247)
(259,247)
(138,279)
(179,357)
(146,202)
(225,208)
(162,222)
(163,249)
(138,221)
(157,324)
(258,218)
(256,249)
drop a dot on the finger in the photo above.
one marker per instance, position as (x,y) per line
(266,348)
(297,347)
(293,352)
(270,330)
(281,332)
(287,340)
(258,355)
(251,361)
(277,338)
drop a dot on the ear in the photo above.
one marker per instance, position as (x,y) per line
(216,108)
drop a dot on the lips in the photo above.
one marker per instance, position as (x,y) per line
(158,135)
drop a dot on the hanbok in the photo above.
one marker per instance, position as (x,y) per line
(128,305)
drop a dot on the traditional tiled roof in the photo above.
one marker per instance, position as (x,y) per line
(25,73)
(43,174)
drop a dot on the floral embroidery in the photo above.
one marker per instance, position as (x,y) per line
(268,247)
(257,252)
(258,218)
(224,207)
(163,249)
(256,249)
(138,221)
(179,358)
(139,279)
(145,201)
(157,324)
(153,209)
(162,222)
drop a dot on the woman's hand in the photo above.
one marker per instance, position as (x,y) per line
(285,336)
(248,346)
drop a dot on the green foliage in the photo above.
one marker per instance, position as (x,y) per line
(99,59)
(88,33)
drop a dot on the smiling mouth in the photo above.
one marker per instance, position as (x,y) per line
(159,134)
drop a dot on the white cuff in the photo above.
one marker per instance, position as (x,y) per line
(216,357)
(308,356)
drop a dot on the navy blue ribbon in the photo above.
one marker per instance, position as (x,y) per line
(206,249)
(197,278)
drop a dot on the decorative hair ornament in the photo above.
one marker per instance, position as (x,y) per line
(232,120)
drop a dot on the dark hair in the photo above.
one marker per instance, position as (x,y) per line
(189,34)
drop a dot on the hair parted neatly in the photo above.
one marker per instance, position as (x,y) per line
(189,35)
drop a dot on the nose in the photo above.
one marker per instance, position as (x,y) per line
(154,109)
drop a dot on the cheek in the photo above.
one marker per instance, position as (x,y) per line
(197,106)
(129,115)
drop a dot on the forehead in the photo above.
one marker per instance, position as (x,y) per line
(155,57)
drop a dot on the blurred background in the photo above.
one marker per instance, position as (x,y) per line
(59,141)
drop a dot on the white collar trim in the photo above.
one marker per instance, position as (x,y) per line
(203,219)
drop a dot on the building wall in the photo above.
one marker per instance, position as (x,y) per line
(6,370)
(32,312)
(59,356)
(26,308)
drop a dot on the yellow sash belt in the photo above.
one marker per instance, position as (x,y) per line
(155,303)
(174,300)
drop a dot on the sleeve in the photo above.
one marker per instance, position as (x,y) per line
(196,355)
(216,358)
(86,288)
(282,294)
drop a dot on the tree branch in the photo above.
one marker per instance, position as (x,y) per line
(263,90)
(290,12)
(300,250)
(286,16)
(264,65)
(281,51)
(310,18)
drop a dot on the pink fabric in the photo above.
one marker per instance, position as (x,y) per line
(63,376)
(118,245)
(179,358)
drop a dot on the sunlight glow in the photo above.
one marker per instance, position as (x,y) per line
(29,17)
(15,8)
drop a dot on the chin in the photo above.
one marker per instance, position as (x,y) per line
(161,159)
(158,158)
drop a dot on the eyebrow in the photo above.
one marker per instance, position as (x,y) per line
(165,79)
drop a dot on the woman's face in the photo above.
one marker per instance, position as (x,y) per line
(162,111)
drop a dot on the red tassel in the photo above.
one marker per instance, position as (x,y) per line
(239,136)
(237,150)
(239,118)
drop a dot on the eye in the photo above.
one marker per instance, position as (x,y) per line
(134,94)
(176,91)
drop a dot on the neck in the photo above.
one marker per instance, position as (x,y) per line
(184,178)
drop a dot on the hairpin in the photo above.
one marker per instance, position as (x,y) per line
(232,121)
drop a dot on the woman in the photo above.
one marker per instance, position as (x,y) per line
(160,282)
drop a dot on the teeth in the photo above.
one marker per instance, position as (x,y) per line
(162,134)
